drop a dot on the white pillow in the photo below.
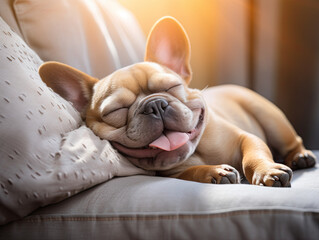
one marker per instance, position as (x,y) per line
(46,153)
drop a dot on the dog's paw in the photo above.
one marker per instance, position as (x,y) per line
(273,175)
(216,174)
(302,160)
(224,174)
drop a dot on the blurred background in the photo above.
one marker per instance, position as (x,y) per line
(270,46)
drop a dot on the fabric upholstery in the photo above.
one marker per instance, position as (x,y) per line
(145,207)
(8,15)
(46,153)
(98,36)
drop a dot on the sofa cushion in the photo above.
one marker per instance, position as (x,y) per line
(145,207)
(46,153)
(95,36)
(8,15)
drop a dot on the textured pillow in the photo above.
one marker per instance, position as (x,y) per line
(95,36)
(46,153)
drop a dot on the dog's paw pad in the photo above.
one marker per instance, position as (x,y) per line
(303,160)
(283,179)
(225,174)
(277,175)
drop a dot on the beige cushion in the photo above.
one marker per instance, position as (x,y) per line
(8,15)
(145,207)
(46,153)
(95,36)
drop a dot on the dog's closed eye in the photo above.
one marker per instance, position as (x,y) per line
(177,91)
(116,118)
(173,87)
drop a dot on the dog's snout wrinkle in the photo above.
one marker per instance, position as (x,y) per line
(156,108)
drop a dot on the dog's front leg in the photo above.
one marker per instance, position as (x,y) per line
(258,164)
(219,174)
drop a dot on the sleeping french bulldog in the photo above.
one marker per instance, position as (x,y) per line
(151,116)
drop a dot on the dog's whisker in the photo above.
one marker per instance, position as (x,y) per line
(204,88)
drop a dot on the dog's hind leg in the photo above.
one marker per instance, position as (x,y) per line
(280,134)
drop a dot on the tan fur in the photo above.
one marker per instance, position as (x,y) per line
(232,128)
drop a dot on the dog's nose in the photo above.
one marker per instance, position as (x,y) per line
(155,107)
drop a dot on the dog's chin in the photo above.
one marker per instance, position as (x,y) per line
(156,159)
(165,160)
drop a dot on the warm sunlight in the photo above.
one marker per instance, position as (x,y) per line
(217,31)
(264,45)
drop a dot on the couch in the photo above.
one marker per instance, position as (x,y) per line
(60,181)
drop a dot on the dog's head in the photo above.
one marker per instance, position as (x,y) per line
(145,110)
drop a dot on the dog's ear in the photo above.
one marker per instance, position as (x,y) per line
(70,83)
(168,44)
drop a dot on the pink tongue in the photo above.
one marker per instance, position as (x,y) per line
(170,141)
